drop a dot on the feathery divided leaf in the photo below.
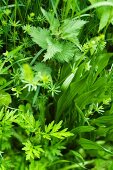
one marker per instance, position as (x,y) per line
(32,151)
(53,130)
(27,121)
(53,151)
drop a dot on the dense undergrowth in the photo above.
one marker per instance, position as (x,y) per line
(56,85)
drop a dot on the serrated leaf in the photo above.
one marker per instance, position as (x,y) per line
(40,36)
(27,121)
(56,127)
(42,67)
(32,151)
(70,29)
(67,52)
(62,134)
(53,130)
(49,127)
(10,116)
(53,48)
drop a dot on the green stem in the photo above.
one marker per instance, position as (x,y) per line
(78,165)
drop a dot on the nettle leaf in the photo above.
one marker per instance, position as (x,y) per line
(53,48)
(53,130)
(70,29)
(67,52)
(5,98)
(42,67)
(40,36)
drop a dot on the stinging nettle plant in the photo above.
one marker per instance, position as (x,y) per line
(56,87)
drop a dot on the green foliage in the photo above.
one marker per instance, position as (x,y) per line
(40,36)
(5,98)
(52,130)
(6,126)
(32,151)
(105,14)
(52,49)
(70,29)
(56,85)
(58,47)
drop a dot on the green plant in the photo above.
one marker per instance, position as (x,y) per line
(56,77)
